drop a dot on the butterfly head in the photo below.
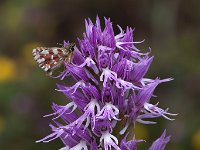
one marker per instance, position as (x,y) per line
(71,47)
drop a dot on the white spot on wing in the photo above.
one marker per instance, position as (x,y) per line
(36,57)
(34,50)
(41,60)
(46,69)
(55,51)
(45,52)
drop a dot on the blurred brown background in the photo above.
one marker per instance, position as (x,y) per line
(171,28)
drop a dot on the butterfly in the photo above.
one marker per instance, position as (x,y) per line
(51,58)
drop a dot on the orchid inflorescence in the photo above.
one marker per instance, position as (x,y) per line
(110,94)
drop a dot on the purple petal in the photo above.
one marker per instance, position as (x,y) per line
(160,143)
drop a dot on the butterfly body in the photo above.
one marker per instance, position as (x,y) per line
(51,58)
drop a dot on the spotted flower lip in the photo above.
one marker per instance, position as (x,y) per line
(110,88)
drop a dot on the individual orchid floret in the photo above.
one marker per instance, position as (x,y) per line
(78,72)
(129,145)
(100,126)
(89,114)
(67,116)
(141,118)
(86,47)
(156,111)
(140,69)
(160,143)
(73,88)
(120,35)
(63,109)
(90,63)
(108,37)
(125,86)
(124,40)
(109,141)
(146,93)
(104,56)
(56,134)
(107,94)
(107,74)
(152,111)
(109,111)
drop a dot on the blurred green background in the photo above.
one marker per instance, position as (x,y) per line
(170,27)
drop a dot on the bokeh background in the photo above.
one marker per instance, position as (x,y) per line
(170,27)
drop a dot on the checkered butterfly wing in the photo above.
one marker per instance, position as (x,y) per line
(50,58)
